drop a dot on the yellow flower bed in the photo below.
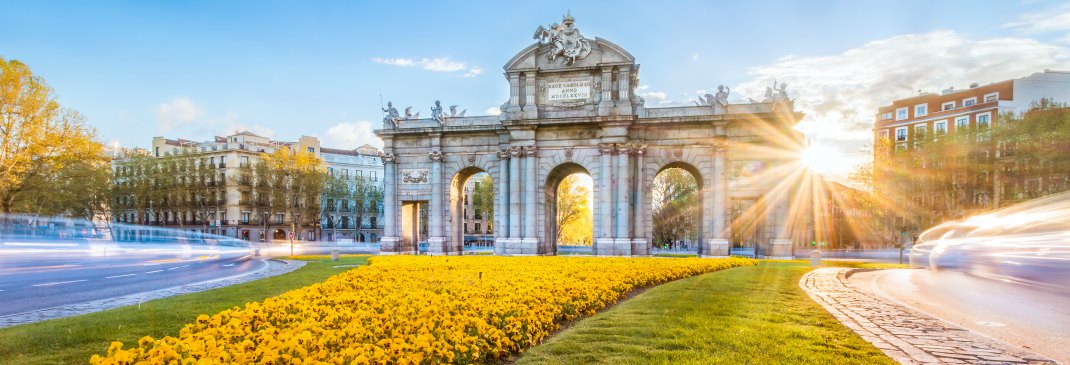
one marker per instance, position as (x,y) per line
(414,310)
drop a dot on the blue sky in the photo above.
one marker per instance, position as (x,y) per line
(188,69)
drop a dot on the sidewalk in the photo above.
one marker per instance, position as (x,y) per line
(903,334)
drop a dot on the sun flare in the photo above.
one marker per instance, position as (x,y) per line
(824,159)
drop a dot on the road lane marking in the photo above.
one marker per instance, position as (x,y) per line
(119,276)
(174,268)
(228,265)
(60,283)
(153,271)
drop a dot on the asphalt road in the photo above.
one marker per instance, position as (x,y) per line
(1017,314)
(39,280)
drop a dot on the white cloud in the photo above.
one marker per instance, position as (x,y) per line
(659,97)
(440,64)
(493,111)
(178,111)
(1052,20)
(694,57)
(350,135)
(840,93)
(473,72)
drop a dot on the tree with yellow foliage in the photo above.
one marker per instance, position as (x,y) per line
(41,143)
(575,221)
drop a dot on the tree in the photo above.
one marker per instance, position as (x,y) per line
(290,182)
(483,197)
(675,196)
(574,216)
(39,139)
(334,200)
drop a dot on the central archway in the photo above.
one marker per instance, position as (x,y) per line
(576,211)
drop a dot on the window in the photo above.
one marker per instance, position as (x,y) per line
(477,227)
(921,110)
(886,116)
(947,106)
(330,171)
(884,135)
(374,177)
(345,173)
(901,134)
(991,97)
(940,127)
(983,120)
(278,218)
(901,113)
(244,217)
(311,150)
(245,161)
(919,131)
(962,122)
(969,101)
(360,173)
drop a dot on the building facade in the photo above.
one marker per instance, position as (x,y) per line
(920,168)
(573,108)
(222,199)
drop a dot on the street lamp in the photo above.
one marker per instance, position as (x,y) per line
(263,232)
(293,228)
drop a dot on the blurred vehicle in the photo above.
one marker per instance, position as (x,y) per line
(1027,243)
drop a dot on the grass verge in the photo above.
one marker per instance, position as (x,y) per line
(746,315)
(74,340)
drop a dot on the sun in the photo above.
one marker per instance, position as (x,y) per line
(824,160)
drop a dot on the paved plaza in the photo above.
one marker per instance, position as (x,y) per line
(903,334)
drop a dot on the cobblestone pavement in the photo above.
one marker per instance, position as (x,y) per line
(274,267)
(904,334)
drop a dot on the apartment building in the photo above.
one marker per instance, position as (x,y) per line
(225,205)
(907,170)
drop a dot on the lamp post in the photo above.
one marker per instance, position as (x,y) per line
(293,231)
(263,232)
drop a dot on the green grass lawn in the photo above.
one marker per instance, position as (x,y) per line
(747,315)
(74,340)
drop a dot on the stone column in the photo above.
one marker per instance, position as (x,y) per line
(530,109)
(607,91)
(624,187)
(604,239)
(624,77)
(718,244)
(437,244)
(501,210)
(390,241)
(640,242)
(514,192)
(514,93)
(530,241)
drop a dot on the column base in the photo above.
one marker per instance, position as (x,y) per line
(517,247)
(640,247)
(389,245)
(715,247)
(780,248)
(613,247)
(440,246)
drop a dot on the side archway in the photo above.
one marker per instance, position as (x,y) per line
(471,210)
(677,209)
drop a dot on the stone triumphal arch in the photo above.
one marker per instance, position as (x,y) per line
(573,107)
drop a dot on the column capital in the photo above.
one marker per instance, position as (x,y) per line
(515,151)
(530,151)
(436,156)
(626,149)
(720,146)
(387,157)
(503,154)
(607,148)
(638,149)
